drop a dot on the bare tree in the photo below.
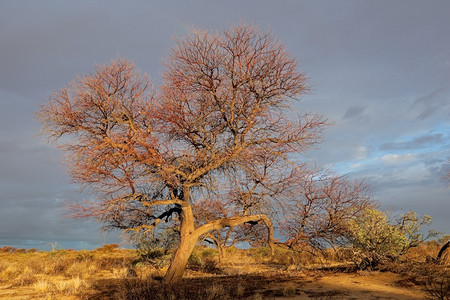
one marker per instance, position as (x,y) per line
(320,207)
(219,126)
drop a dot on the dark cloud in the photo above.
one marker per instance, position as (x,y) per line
(379,69)
(354,111)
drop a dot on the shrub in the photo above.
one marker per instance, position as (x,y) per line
(289,290)
(84,255)
(375,237)
(209,253)
(108,247)
(203,260)
(8,249)
(372,234)
(10,272)
(154,248)
(438,284)
(260,252)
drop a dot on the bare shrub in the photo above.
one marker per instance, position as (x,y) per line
(438,283)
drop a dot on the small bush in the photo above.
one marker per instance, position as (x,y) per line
(260,253)
(84,255)
(10,272)
(203,261)
(8,249)
(25,280)
(71,286)
(438,283)
(108,247)
(289,290)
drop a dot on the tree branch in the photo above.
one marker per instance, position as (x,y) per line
(165,215)
(234,221)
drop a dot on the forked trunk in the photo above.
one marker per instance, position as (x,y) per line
(190,237)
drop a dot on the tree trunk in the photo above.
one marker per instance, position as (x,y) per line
(189,237)
(185,248)
(222,252)
(178,265)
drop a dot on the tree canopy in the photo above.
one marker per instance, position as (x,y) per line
(220,129)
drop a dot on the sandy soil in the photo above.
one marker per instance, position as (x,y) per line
(357,286)
(337,285)
(278,284)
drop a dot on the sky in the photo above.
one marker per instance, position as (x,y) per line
(379,70)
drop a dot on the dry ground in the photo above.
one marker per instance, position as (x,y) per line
(293,285)
(267,284)
(114,274)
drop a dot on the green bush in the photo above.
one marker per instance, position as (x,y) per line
(376,237)
(260,252)
(203,260)
(209,253)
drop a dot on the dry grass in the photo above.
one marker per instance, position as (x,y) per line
(249,286)
(61,272)
(109,272)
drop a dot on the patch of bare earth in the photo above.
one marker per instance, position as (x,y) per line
(372,285)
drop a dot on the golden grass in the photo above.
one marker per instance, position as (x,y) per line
(61,272)
(122,274)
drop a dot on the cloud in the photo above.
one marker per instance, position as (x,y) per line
(379,69)
(398,158)
(354,111)
(416,143)
(430,104)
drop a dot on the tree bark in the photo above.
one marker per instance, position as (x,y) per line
(222,250)
(189,238)
(187,243)
(178,265)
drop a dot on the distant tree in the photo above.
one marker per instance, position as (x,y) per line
(412,226)
(220,126)
(321,205)
(253,233)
